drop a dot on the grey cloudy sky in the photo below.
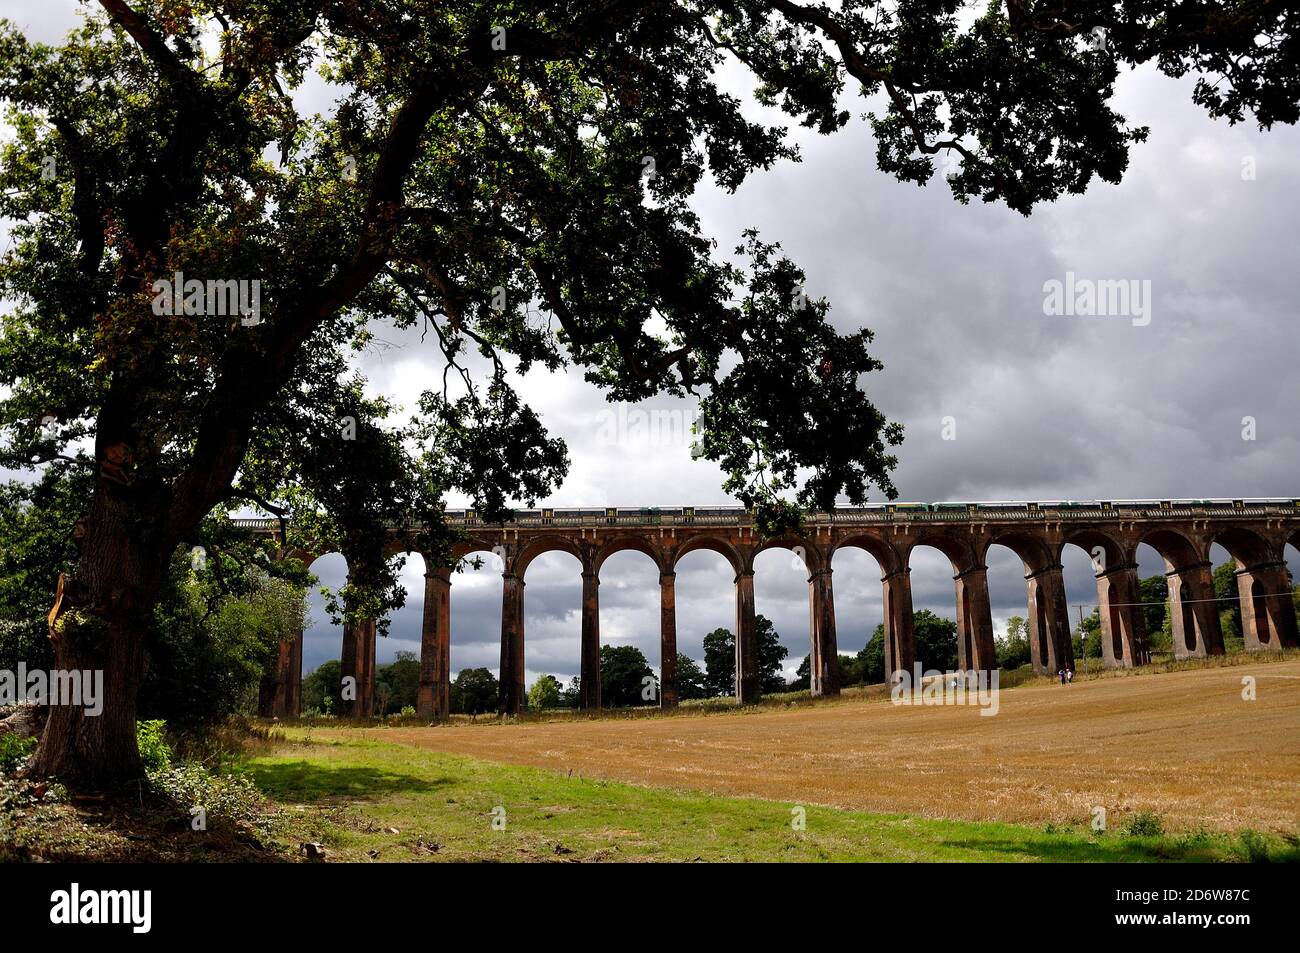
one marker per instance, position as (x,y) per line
(1044,407)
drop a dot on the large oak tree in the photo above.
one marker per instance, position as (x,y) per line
(514,177)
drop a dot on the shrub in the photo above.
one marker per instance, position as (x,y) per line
(1253,848)
(214,745)
(227,796)
(408,711)
(154,751)
(14,751)
(1197,840)
(1145,823)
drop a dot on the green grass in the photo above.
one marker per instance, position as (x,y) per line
(379,800)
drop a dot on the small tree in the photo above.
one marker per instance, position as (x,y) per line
(383,697)
(320,689)
(690,679)
(851,669)
(1090,627)
(936,646)
(1013,648)
(544,694)
(1228,597)
(771,656)
(872,657)
(402,679)
(475,691)
(211,650)
(571,697)
(720,659)
(623,674)
(1154,595)
(719,663)
(936,641)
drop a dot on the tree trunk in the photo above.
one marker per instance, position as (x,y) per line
(98,624)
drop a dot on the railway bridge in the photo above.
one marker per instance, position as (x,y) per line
(1254,532)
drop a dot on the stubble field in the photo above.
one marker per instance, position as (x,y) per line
(1184,744)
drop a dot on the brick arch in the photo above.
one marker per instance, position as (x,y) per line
(1294,543)
(399,544)
(1264,586)
(961,554)
(313,558)
(1193,614)
(1114,553)
(1246,546)
(1175,548)
(637,544)
(713,544)
(475,544)
(814,559)
(1048,615)
(885,554)
(520,561)
(304,556)
(1033,549)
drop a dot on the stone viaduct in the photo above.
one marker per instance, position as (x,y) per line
(1254,532)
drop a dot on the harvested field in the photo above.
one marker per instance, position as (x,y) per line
(1184,744)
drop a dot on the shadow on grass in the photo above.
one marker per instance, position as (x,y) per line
(310,781)
(1064,851)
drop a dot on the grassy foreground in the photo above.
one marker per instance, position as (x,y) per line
(377,800)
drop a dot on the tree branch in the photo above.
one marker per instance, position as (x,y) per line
(868,75)
(85,205)
(153,46)
(240,389)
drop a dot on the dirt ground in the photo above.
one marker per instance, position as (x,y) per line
(1185,744)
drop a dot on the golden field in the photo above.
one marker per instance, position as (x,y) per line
(1184,744)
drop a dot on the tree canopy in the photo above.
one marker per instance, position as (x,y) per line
(624,672)
(474,691)
(545,693)
(1013,649)
(690,679)
(720,659)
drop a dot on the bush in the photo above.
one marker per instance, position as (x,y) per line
(14,751)
(208,651)
(408,711)
(1253,848)
(154,751)
(215,745)
(1145,823)
(227,796)
(545,693)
